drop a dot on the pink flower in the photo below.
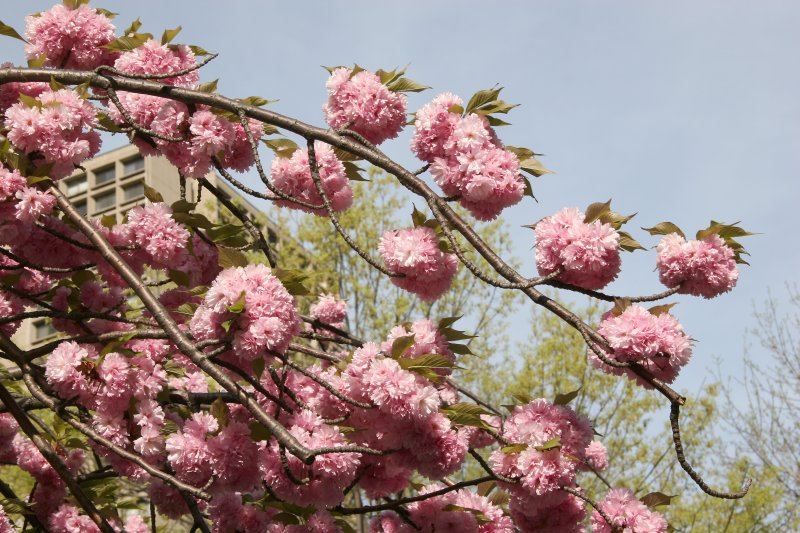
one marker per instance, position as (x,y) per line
(702,268)
(327,477)
(427,340)
(292,176)
(596,456)
(434,126)
(265,323)
(54,129)
(5,523)
(155,58)
(153,228)
(10,305)
(414,253)
(559,513)
(330,310)
(10,91)
(188,450)
(68,520)
(627,512)
(67,368)
(656,342)
(588,253)
(364,103)
(210,134)
(70,38)
(552,437)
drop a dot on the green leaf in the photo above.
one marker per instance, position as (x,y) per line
(208,87)
(534,167)
(457,109)
(353,171)
(448,321)
(401,345)
(126,43)
(187,309)
(30,101)
(179,277)
(198,51)
(418,218)
(528,187)
(481,98)
(33,180)
(656,499)
(355,70)
(665,228)
(8,31)
(282,147)
(514,448)
(228,258)
(292,280)
(133,28)
(343,155)
(496,122)
(258,431)
(403,85)
(256,101)
(596,210)
(238,306)
(461,349)
(219,410)
(105,121)
(480,517)
(498,106)
(552,444)
(427,365)
(661,309)
(152,194)
(193,220)
(258,366)
(466,414)
(38,61)
(105,12)
(620,305)
(628,243)
(168,35)
(182,206)
(565,398)
(55,85)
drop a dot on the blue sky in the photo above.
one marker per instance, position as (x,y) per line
(682,111)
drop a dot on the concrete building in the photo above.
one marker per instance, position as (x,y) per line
(113,183)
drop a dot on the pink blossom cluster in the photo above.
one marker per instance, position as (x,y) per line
(467,160)
(202,449)
(327,477)
(67,519)
(70,38)
(5,524)
(330,310)
(153,229)
(461,511)
(10,91)
(53,129)
(702,268)
(421,267)
(202,134)
(361,103)
(657,342)
(49,490)
(547,446)
(264,325)
(587,253)
(628,513)
(292,177)
(405,418)
(427,340)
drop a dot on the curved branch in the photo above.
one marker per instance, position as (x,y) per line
(674,415)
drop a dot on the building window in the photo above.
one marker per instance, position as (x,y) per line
(105,175)
(133,192)
(81,207)
(42,329)
(105,201)
(77,186)
(133,165)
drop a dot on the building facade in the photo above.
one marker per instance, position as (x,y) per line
(114,182)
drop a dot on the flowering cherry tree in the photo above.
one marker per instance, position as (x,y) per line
(230,395)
